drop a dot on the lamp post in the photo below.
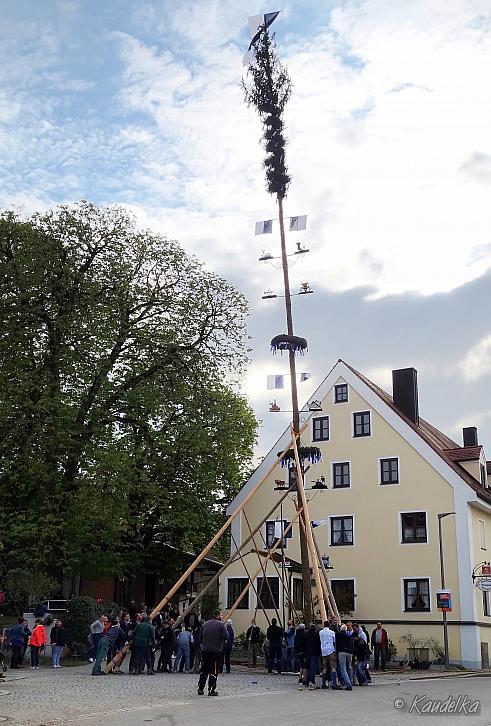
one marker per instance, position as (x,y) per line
(440,516)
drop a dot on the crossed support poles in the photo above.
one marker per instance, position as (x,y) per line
(322,586)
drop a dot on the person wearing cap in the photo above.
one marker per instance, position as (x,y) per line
(105,643)
(213,635)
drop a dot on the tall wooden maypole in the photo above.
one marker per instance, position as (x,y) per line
(268,89)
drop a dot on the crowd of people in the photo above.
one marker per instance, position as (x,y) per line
(339,653)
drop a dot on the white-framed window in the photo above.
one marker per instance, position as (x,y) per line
(342,530)
(320,428)
(389,470)
(344,591)
(235,585)
(341,474)
(341,394)
(482,534)
(362,424)
(416,594)
(273,533)
(268,595)
(413,527)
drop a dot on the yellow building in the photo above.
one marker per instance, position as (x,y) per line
(389,474)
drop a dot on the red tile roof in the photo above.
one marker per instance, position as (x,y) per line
(439,442)
(464,453)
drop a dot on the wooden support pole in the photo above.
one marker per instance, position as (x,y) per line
(285,589)
(269,555)
(222,529)
(265,579)
(258,594)
(331,602)
(231,559)
(308,528)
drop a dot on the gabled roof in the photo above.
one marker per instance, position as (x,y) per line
(439,442)
(432,437)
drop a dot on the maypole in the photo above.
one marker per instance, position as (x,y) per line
(268,90)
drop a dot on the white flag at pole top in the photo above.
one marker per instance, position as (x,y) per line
(304,377)
(297,224)
(261,21)
(265,227)
(318,522)
(278,530)
(254,23)
(275,382)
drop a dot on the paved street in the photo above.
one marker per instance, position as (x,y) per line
(71,696)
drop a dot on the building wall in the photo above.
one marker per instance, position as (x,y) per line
(378,561)
(481,540)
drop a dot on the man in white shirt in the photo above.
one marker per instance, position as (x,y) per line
(328,653)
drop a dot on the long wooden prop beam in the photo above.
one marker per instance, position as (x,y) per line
(285,588)
(222,529)
(231,559)
(269,555)
(308,527)
(264,581)
(331,601)
(257,594)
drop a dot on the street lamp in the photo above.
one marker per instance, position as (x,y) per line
(442,577)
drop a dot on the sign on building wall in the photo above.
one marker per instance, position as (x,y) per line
(444,600)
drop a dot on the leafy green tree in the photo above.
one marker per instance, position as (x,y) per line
(120,426)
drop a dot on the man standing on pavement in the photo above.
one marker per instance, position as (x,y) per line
(105,643)
(329,658)
(253,636)
(312,652)
(379,642)
(213,635)
(96,633)
(289,640)
(274,635)
(143,642)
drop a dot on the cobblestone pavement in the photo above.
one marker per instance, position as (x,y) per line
(71,696)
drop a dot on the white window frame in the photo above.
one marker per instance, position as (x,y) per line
(320,441)
(285,538)
(355,591)
(280,592)
(339,383)
(341,546)
(413,511)
(341,461)
(379,471)
(363,410)
(248,593)
(482,534)
(430,594)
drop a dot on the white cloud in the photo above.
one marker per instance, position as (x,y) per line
(477,362)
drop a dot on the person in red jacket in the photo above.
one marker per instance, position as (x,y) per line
(37,641)
(379,641)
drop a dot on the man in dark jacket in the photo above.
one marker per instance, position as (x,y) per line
(344,649)
(379,641)
(143,642)
(299,647)
(253,636)
(361,654)
(167,645)
(16,639)
(58,642)
(229,644)
(213,635)
(312,653)
(274,635)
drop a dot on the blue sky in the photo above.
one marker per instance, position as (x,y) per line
(389,145)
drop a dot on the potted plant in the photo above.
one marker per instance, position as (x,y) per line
(418,651)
